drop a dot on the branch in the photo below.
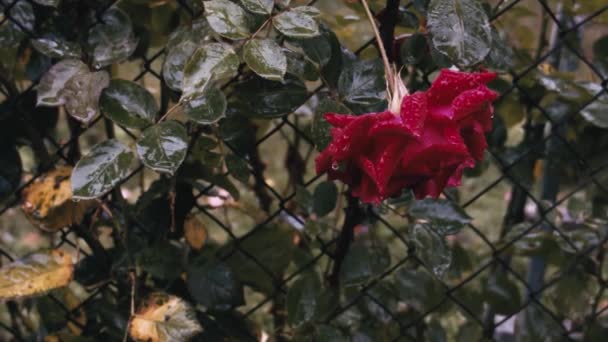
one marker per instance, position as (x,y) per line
(390,16)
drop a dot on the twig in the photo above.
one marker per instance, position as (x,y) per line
(387,65)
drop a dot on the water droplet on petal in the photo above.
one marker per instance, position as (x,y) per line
(335,166)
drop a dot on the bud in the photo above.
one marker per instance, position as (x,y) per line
(396,91)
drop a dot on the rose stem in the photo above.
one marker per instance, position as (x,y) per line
(387,64)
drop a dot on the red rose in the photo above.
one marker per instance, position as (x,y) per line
(438,133)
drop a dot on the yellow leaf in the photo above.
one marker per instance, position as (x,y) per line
(195,232)
(162,318)
(47,202)
(36,274)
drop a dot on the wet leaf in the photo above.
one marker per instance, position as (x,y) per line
(302,299)
(163,146)
(47,202)
(55,80)
(56,47)
(106,165)
(319,49)
(534,324)
(325,198)
(362,86)
(81,94)
(460,29)
(266,58)
(195,232)
(128,104)
(263,99)
(227,19)
(299,66)
(503,294)
(431,248)
(52,311)
(595,112)
(10,173)
(112,39)
(238,168)
(212,62)
(296,24)
(418,288)
(161,260)
(164,318)
(36,274)
(22,21)
(446,216)
(206,108)
(213,284)
(362,263)
(52,3)
(258,6)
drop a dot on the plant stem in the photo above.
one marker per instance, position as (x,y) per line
(387,65)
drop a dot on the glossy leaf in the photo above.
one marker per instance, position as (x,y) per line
(206,108)
(195,232)
(55,79)
(47,202)
(302,299)
(112,39)
(164,318)
(431,248)
(595,112)
(81,94)
(106,165)
(299,66)
(163,147)
(56,47)
(10,173)
(362,263)
(325,198)
(362,86)
(212,62)
(263,99)
(258,6)
(296,24)
(266,58)
(446,216)
(503,294)
(227,19)
(36,274)
(238,168)
(319,48)
(214,285)
(128,104)
(460,29)
(22,21)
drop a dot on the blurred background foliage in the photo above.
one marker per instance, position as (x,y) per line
(218,229)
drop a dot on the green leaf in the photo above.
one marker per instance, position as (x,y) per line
(595,112)
(51,3)
(363,262)
(266,58)
(112,39)
(431,248)
(320,127)
(302,299)
(227,19)
(363,87)
(206,108)
(535,324)
(10,173)
(164,318)
(106,165)
(272,246)
(501,54)
(446,216)
(263,99)
(324,198)
(299,66)
(503,294)
(418,288)
(22,21)
(460,29)
(296,24)
(212,62)
(414,49)
(81,94)
(161,260)
(213,284)
(56,47)
(238,168)
(308,10)
(54,81)
(319,48)
(163,147)
(128,104)
(258,6)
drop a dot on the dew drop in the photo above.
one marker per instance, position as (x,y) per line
(335,166)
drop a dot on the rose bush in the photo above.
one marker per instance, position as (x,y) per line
(437,134)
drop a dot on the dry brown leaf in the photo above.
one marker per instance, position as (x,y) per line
(162,318)
(47,202)
(36,274)
(195,232)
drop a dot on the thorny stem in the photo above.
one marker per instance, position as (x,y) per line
(387,65)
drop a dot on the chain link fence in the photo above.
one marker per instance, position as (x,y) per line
(523,202)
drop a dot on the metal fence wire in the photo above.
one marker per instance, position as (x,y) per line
(502,280)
